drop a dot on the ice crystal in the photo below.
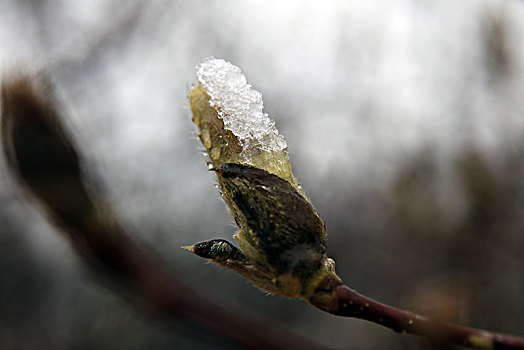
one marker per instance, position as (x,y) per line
(240,107)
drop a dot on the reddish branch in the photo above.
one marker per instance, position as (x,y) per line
(349,303)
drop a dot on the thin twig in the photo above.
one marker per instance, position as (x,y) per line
(350,303)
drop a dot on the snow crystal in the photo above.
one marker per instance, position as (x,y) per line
(239,106)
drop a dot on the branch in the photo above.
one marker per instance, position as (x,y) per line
(349,303)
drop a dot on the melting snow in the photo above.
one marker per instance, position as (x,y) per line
(240,107)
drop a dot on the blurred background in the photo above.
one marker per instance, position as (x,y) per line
(405,125)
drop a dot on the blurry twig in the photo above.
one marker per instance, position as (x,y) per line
(44,159)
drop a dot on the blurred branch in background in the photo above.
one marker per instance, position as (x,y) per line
(46,162)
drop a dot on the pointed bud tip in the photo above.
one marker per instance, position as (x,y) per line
(190,248)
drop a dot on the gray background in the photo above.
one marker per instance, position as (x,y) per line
(404,122)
